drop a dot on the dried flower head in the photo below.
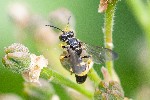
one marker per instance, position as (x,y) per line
(34,70)
(108,89)
(19,60)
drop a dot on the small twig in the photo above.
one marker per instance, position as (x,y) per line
(94,76)
(47,73)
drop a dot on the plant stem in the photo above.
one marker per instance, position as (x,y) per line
(108,28)
(94,77)
(47,73)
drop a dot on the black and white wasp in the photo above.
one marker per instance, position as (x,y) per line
(78,57)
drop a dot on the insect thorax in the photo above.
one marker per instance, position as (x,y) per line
(71,41)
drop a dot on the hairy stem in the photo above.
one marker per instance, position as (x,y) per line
(108,28)
(58,78)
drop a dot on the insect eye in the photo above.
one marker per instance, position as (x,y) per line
(63,37)
(71,33)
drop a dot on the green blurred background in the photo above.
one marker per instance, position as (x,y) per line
(128,37)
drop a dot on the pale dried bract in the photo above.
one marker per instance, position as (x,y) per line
(103,6)
(36,65)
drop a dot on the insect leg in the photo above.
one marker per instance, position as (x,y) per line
(87,56)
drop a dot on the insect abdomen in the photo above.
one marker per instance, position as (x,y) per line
(80,79)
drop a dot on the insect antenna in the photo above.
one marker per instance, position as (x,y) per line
(68,20)
(55,27)
(67,27)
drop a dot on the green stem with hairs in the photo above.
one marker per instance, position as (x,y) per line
(47,73)
(108,28)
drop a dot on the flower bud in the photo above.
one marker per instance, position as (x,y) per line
(16,47)
(109,91)
(17,57)
(103,6)
(19,60)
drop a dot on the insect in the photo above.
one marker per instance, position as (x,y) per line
(80,65)
(68,37)
(78,57)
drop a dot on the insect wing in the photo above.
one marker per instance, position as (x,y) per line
(100,54)
(65,61)
(75,61)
